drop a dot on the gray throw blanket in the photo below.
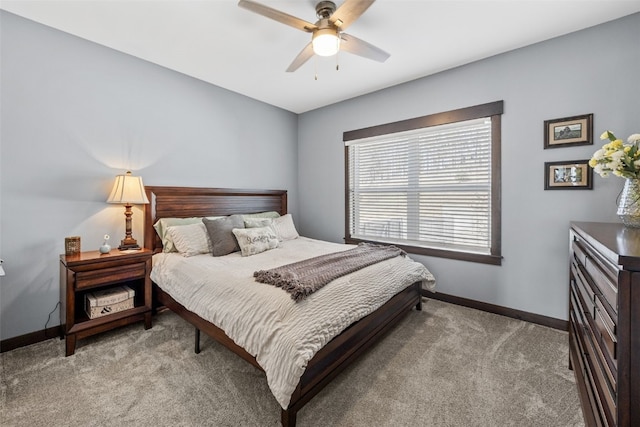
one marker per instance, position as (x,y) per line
(305,277)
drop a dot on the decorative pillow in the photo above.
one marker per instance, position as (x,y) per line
(161,228)
(190,239)
(269,214)
(257,222)
(255,240)
(284,228)
(223,241)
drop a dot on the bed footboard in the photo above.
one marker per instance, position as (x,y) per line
(347,347)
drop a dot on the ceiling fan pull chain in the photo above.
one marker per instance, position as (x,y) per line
(315,67)
(337,61)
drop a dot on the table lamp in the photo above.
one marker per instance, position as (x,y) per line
(128,190)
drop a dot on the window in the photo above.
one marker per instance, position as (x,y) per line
(430,185)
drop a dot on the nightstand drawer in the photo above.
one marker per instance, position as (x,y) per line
(103,276)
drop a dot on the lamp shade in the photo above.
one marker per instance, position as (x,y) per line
(128,190)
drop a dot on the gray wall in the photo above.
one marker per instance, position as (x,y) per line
(591,71)
(75,114)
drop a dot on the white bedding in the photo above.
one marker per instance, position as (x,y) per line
(282,334)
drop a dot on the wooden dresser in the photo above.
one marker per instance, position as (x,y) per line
(604,321)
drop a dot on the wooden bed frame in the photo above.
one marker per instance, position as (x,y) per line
(183,202)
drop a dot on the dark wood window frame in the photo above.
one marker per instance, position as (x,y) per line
(491,110)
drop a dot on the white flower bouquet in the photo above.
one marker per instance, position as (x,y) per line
(617,158)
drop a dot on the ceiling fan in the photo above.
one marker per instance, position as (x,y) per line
(327,33)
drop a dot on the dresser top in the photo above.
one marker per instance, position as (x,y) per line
(619,243)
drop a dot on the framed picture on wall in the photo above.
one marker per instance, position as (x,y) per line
(568,131)
(568,175)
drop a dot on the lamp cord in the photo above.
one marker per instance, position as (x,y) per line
(49,318)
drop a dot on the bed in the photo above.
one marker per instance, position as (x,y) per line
(330,358)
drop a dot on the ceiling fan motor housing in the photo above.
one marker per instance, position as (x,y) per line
(325,9)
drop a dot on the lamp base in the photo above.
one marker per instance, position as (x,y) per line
(129,248)
(129,244)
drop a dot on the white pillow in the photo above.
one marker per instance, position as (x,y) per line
(163,224)
(255,240)
(191,239)
(284,228)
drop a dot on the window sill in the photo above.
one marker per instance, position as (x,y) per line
(440,253)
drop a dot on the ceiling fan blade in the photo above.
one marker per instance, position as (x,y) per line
(350,10)
(276,15)
(359,47)
(302,57)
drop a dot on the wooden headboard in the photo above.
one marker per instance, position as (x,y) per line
(185,202)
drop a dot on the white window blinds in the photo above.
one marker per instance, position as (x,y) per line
(429,187)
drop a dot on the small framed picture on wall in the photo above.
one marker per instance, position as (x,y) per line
(568,175)
(568,131)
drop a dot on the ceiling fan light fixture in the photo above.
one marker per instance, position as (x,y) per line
(326,42)
(327,33)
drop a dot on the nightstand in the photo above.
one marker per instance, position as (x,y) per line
(90,271)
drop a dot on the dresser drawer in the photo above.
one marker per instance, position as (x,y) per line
(103,276)
(608,288)
(582,368)
(583,289)
(597,371)
(576,317)
(594,399)
(605,362)
(607,329)
(578,253)
(600,379)
(602,273)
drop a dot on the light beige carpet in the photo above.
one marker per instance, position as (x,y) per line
(444,366)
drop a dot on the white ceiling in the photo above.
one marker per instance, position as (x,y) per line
(220,43)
